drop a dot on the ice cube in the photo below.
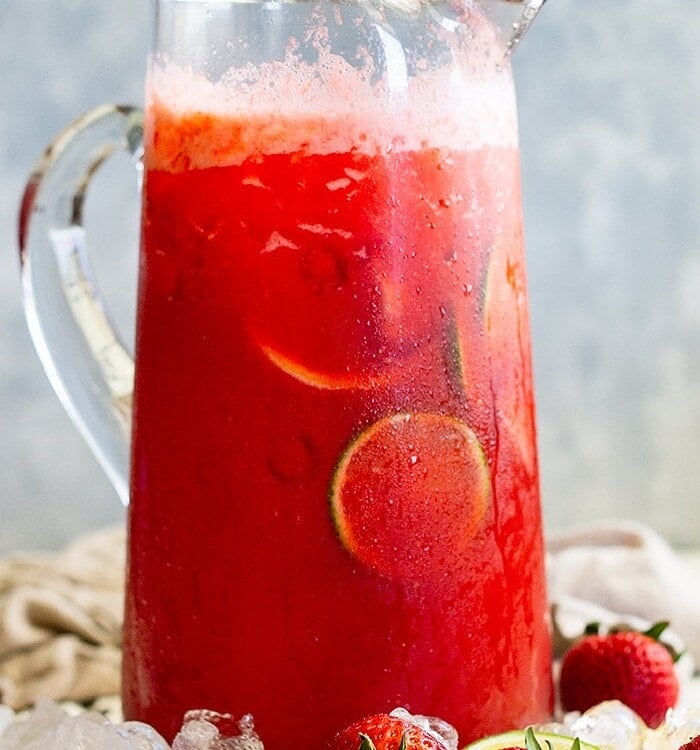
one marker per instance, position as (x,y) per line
(679,727)
(27,732)
(49,727)
(247,739)
(554,727)
(208,730)
(140,736)
(440,729)
(197,734)
(609,724)
(85,732)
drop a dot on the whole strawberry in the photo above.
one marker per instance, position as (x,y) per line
(634,668)
(384,732)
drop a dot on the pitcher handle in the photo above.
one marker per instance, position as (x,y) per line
(89,367)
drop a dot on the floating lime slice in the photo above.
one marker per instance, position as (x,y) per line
(410,493)
(326,381)
(506,324)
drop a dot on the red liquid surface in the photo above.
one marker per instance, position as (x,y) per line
(334,493)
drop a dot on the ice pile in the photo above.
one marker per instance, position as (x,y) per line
(614,726)
(609,726)
(49,727)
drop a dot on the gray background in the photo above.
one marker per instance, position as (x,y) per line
(610,113)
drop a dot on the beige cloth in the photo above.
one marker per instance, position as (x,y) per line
(60,621)
(621,571)
(60,615)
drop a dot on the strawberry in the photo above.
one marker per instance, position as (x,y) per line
(634,668)
(384,732)
(693,744)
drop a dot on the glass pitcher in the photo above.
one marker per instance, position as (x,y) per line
(334,502)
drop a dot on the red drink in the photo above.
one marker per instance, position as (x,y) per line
(334,490)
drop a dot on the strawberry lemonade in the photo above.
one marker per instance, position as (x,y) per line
(334,488)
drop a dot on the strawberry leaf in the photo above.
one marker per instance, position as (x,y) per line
(675,654)
(366,742)
(656,630)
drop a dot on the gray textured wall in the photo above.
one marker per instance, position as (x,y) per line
(610,106)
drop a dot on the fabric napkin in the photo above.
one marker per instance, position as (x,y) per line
(60,614)
(60,621)
(621,572)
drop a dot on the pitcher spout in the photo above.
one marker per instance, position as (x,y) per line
(512,17)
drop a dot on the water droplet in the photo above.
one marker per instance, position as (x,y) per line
(291,458)
(339,184)
(275,241)
(354,174)
(500,202)
(253,181)
(320,229)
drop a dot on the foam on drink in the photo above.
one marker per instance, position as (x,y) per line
(326,107)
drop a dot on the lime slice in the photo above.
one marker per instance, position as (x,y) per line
(516,739)
(409,495)
(506,324)
(324,381)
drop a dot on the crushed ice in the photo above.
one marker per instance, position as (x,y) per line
(208,730)
(50,727)
(613,725)
(610,726)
